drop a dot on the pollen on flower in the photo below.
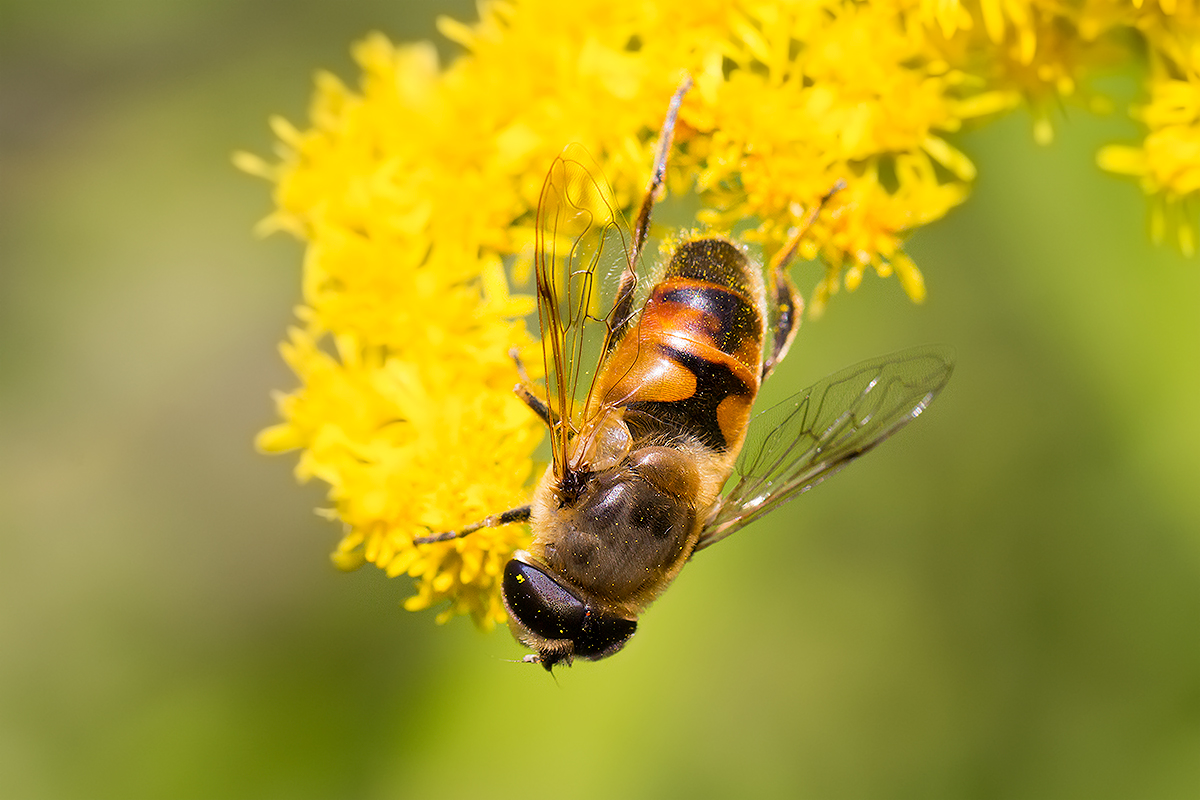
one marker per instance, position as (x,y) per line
(415,191)
(1168,161)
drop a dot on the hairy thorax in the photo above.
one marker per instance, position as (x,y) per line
(623,533)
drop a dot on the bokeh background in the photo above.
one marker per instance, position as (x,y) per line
(1002,602)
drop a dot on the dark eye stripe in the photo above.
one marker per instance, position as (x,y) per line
(540,603)
(601,633)
(551,611)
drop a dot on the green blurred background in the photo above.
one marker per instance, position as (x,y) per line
(1002,602)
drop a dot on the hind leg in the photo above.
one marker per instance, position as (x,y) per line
(789,307)
(622,310)
(788,304)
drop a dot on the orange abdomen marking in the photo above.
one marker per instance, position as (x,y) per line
(690,365)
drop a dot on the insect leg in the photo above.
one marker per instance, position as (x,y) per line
(622,311)
(537,406)
(515,355)
(642,226)
(526,394)
(520,514)
(789,305)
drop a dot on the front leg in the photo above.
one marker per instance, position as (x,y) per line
(520,514)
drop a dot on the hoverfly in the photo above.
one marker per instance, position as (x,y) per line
(643,443)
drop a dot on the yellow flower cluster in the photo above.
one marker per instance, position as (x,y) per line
(416,193)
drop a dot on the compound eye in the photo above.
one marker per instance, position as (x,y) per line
(603,634)
(540,603)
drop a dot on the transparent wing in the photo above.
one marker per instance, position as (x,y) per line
(800,442)
(581,260)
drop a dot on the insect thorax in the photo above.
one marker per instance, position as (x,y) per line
(624,532)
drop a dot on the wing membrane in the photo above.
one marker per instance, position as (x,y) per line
(580,254)
(798,443)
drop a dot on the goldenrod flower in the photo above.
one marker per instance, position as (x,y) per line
(1168,160)
(416,195)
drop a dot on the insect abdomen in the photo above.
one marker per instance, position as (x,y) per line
(691,364)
